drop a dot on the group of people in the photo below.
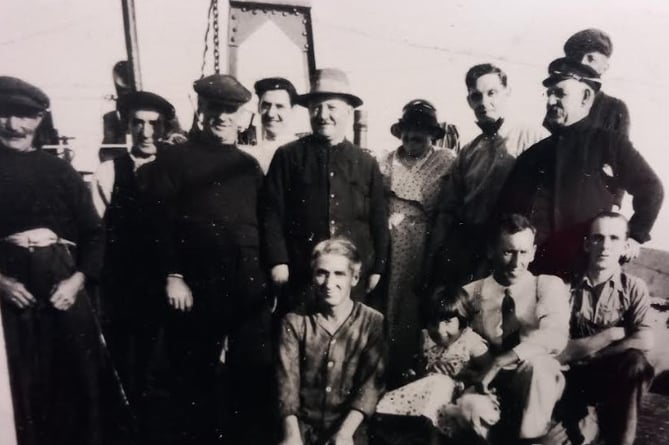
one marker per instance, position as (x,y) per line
(237,282)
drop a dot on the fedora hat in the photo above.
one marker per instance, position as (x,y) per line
(420,114)
(329,82)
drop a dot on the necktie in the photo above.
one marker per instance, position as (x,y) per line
(510,324)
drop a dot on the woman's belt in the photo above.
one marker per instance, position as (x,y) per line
(40,237)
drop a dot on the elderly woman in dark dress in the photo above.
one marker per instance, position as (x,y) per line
(412,175)
(50,243)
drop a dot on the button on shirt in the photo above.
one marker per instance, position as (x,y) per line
(478,173)
(541,307)
(314,191)
(324,375)
(623,300)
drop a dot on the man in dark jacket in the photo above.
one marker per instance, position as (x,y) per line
(209,253)
(322,186)
(593,47)
(132,286)
(563,181)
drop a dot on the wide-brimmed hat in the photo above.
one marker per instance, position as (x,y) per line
(566,68)
(421,114)
(329,82)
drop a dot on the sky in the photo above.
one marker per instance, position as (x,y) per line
(393,51)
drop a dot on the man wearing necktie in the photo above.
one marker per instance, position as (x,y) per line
(525,318)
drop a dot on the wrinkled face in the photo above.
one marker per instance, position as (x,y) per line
(330,117)
(18,127)
(275,111)
(446,332)
(512,255)
(488,98)
(416,140)
(333,279)
(606,243)
(146,127)
(597,61)
(220,121)
(566,102)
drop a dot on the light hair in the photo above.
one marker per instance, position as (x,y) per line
(338,246)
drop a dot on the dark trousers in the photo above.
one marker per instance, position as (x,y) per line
(615,384)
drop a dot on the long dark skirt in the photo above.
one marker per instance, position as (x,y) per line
(63,387)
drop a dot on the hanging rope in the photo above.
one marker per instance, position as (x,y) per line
(212,22)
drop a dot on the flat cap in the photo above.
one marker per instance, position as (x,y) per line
(18,93)
(587,41)
(275,83)
(566,68)
(223,89)
(141,100)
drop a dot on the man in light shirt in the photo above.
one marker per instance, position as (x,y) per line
(456,247)
(276,103)
(525,319)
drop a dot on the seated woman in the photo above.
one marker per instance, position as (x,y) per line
(330,355)
(451,353)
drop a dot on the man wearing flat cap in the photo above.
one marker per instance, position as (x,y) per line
(593,47)
(51,243)
(276,101)
(565,180)
(322,186)
(209,250)
(132,287)
(456,250)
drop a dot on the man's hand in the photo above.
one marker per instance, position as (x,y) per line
(632,250)
(280,274)
(486,377)
(176,138)
(15,292)
(65,293)
(179,295)
(372,281)
(616,333)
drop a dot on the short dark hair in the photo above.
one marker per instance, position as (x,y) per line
(338,246)
(510,224)
(445,306)
(276,83)
(481,70)
(611,215)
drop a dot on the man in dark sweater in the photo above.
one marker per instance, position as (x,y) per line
(132,286)
(565,180)
(593,48)
(209,251)
(322,186)
(51,243)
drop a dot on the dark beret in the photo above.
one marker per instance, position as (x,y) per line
(587,41)
(20,94)
(566,68)
(222,89)
(141,100)
(275,83)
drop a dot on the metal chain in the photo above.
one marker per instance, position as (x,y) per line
(212,22)
(217,56)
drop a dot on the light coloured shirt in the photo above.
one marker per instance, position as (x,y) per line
(480,170)
(622,300)
(104,180)
(264,150)
(542,309)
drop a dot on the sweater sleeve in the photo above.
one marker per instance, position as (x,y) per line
(273,209)
(378,220)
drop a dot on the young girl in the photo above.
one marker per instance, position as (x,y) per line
(452,352)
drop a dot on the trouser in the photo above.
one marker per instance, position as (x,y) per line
(615,384)
(527,396)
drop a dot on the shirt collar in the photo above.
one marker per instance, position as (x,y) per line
(614,281)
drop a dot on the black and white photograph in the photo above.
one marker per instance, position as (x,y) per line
(334,222)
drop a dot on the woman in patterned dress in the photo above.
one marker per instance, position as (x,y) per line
(412,176)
